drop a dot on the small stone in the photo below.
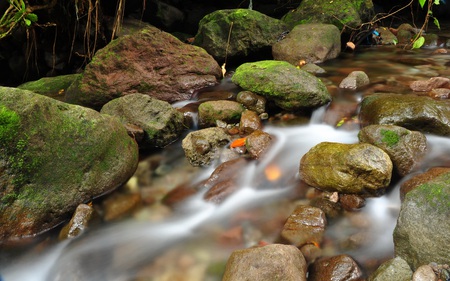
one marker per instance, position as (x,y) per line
(337,268)
(355,80)
(424,273)
(249,123)
(119,205)
(78,223)
(258,143)
(351,202)
(252,101)
(430,84)
(440,93)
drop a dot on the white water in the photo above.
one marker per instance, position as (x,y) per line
(116,252)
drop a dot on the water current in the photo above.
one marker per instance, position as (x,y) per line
(192,241)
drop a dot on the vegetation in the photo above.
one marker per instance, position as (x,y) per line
(390,138)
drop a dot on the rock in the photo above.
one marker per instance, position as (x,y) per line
(287,86)
(346,168)
(313,68)
(338,12)
(386,36)
(54,157)
(406,148)
(119,205)
(405,33)
(338,268)
(151,62)
(210,112)
(224,180)
(351,202)
(416,113)
(238,33)
(394,269)
(422,178)
(421,234)
(430,84)
(331,209)
(53,87)
(424,273)
(78,223)
(250,122)
(252,101)
(306,225)
(202,147)
(313,43)
(354,80)
(440,93)
(271,262)
(161,123)
(257,143)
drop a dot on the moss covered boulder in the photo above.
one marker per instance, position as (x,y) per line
(338,12)
(417,113)
(421,235)
(347,168)
(288,87)
(54,87)
(55,156)
(162,124)
(405,148)
(312,43)
(238,33)
(210,112)
(148,61)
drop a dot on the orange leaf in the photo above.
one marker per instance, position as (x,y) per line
(238,142)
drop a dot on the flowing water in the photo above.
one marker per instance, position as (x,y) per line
(194,242)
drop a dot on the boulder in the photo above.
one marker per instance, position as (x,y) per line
(148,61)
(354,80)
(271,262)
(421,234)
(258,143)
(416,113)
(336,268)
(338,12)
(53,87)
(346,168)
(405,148)
(202,147)
(230,34)
(312,43)
(288,87)
(210,112)
(393,269)
(54,157)
(162,124)
(252,101)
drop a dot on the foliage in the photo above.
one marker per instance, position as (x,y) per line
(17,14)
(390,138)
(420,40)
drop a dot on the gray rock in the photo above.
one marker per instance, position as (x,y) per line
(271,262)
(421,234)
(405,148)
(202,147)
(54,157)
(288,87)
(416,113)
(346,168)
(355,80)
(313,43)
(162,124)
(395,269)
(226,34)
(148,61)
(424,273)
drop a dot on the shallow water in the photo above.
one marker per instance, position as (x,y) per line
(194,242)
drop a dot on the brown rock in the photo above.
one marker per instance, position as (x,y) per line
(250,122)
(305,225)
(337,268)
(430,84)
(351,202)
(119,205)
(258,143)
(78,223)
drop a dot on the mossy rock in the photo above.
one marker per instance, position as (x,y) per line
(288,87)
(53,87)
(55,156)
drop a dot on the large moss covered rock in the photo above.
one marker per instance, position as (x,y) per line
(227,34)
(53,157)
(421,235)
(338,12)
(148,61)
(288,87)
(418,113)
(54,87)
(346,168)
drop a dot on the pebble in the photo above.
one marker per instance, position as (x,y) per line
(424,273)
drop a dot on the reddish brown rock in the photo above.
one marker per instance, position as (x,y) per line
(430,84)
(337,268)
(258,143)
(351,202)
(250,122)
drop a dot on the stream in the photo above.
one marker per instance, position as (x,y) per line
(193,242)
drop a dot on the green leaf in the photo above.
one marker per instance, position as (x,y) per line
(32,17)
(27,22)
(422,3)
(436,2)
(419,42)
(436,22)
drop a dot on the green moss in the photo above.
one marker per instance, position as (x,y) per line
(436,193)
(9,124)
(390,138)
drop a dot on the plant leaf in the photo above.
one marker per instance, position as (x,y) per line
(436,2)
(436,22)
(419,42)
(32,17)
(27,22)
(422,3)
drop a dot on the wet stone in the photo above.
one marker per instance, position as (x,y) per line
(252,101)
(258,143)
(305,225)
(331,209)
(210,112)
(337,268)
(119,205)
(351,202)
(424,273)
(430,84)
(394,269)
(355,80)
(440,93)
(78,223)
(216,95)
(250,122)
(422,178)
